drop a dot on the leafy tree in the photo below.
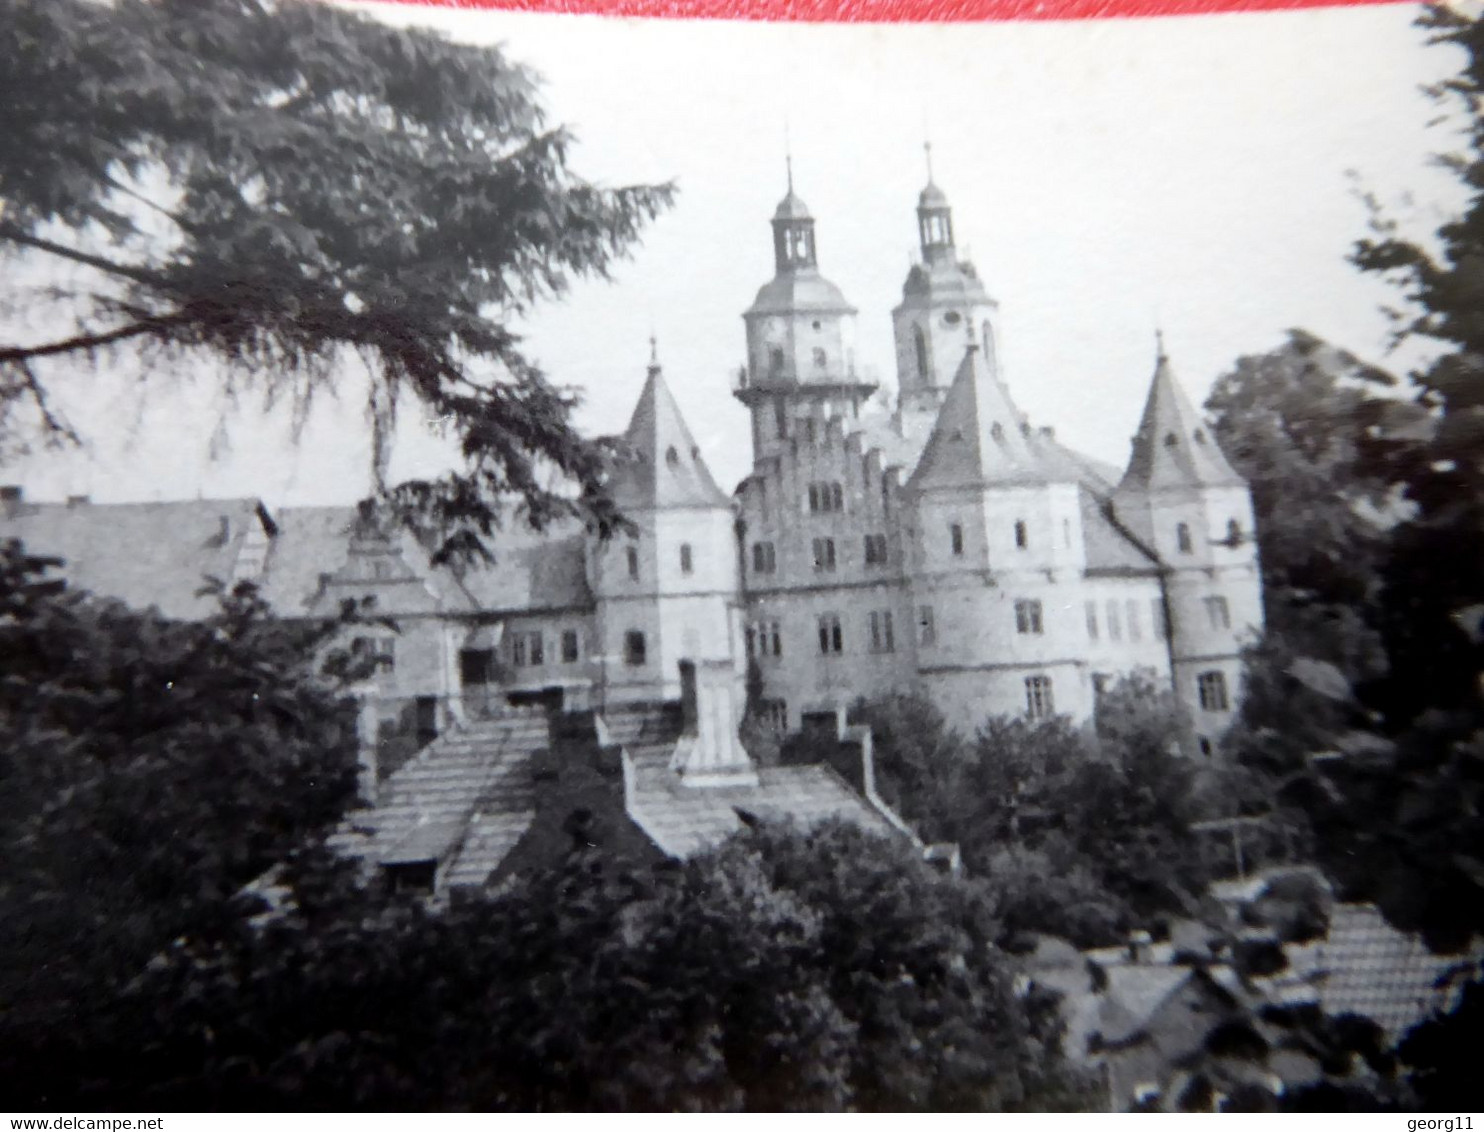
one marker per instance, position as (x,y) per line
(1076,834)
(148,769)
(282,187)
(786,969)
(1299,423)
(1434,580)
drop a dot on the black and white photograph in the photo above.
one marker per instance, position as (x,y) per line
(560,562)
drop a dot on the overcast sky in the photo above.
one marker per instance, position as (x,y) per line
(1192,173)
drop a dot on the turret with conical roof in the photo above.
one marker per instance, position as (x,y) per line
(944,307)
(663,466)
(800,339)
(668,591)
(1173,447)
(1183,500)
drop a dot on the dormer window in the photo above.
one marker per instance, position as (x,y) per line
(1200,436)
(1233,533)
(1171,440)
(1182,538)
(672,457)
(996,431)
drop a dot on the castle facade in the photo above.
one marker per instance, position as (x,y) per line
(946,546)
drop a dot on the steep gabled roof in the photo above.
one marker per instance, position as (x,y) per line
(664,467)
(1173,447)
(980,438)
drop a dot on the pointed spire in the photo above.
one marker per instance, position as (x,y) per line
(788,156)
(980,438)
(654,353)
(664,467)
(1174,447)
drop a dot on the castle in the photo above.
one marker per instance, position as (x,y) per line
(953,548)
(946,546)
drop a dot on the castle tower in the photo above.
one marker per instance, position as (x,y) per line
(944,308)
(800,368)
(1186,503)
(998,536)
(670,592)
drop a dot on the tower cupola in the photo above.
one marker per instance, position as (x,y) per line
(934,219)
(793,232)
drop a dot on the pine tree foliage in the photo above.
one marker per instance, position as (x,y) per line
(281,187)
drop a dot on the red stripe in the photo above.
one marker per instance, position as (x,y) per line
(894,11)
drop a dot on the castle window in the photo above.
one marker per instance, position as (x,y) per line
(996,431)
(824,555)
(687,560)
(1233,534)
(956,538)
(1021,539)
(780,417)
(927,633)
(1091,609)
(875,550)
(820,358)
(1182,538)
(1038,701)
(571,646)
(1115,625)
(988,339)
(1159,619)
(775,361)
(1171,440)
(672,457)
(882,639)
(809,429)
(1211,686)
(1206,747)
(826,497)
(633,557)
(1218,612)
(381,652)
(634,649)
(830,641)
(764,560)
(1028,617)
(527,650)
(1131,614)
(774,715)
(919,342)
(764,639)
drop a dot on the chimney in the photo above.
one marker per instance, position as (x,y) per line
(1138,947)
(709,752)
(11,498)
